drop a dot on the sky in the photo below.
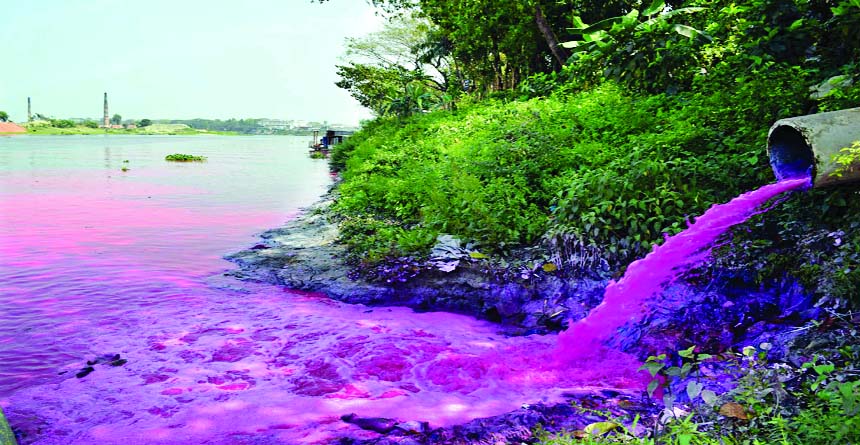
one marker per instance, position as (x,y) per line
(180,59)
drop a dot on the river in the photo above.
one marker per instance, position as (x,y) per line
(97,262)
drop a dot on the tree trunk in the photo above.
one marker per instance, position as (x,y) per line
(558,52)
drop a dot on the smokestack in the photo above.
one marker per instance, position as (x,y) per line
(107,118)
(29,111)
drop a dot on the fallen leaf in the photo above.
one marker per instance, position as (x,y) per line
(732,409)
(600,428)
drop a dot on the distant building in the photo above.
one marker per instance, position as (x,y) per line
(275,124)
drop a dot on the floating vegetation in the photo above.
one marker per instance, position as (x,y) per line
(179,157)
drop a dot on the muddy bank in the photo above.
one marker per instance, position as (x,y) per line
(304,255)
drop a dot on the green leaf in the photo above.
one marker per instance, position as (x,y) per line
(687,353)
(690,32)
(652,367)
(824,369)
(655,7)
(600,428)
(709,397)
(753,160)
(796,24)
(694,388)
(652,387)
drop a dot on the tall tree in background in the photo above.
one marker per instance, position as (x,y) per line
(4,116)
(116,119)
(402,69)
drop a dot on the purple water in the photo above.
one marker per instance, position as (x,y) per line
(95,261)
(624,301)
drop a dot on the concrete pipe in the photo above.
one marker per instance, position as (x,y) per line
(805,145)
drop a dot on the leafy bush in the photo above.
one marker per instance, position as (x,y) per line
(179,157)
(599,166)
(62,123)
(742,398)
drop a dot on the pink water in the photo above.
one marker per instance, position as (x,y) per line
(95,261)
(625,300)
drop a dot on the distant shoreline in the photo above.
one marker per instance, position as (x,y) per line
(145,131)
(154,130)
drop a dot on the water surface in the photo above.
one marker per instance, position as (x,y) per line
(95,261)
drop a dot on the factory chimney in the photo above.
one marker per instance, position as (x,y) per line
(29,110)
(107,118)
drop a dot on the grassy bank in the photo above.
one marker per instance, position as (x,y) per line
(599,171)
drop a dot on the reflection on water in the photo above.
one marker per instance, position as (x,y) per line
(96,262)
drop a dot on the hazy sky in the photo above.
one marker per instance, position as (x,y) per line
(180,59)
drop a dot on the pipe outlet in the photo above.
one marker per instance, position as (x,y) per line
(805,146)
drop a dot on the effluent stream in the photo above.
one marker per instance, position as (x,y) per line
(96,262)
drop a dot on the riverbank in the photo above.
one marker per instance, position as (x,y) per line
(777,323)
(306,255)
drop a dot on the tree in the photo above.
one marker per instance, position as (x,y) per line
(4,116)
(116,119)
(144,123)
(402,69)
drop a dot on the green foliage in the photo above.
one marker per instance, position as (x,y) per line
(179,157)
(91,124)
(647,50)
(847,160)
(388,70)
(4,116)
(599,169)
(144,123)
(62,123)
(648,124)
(116,119)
